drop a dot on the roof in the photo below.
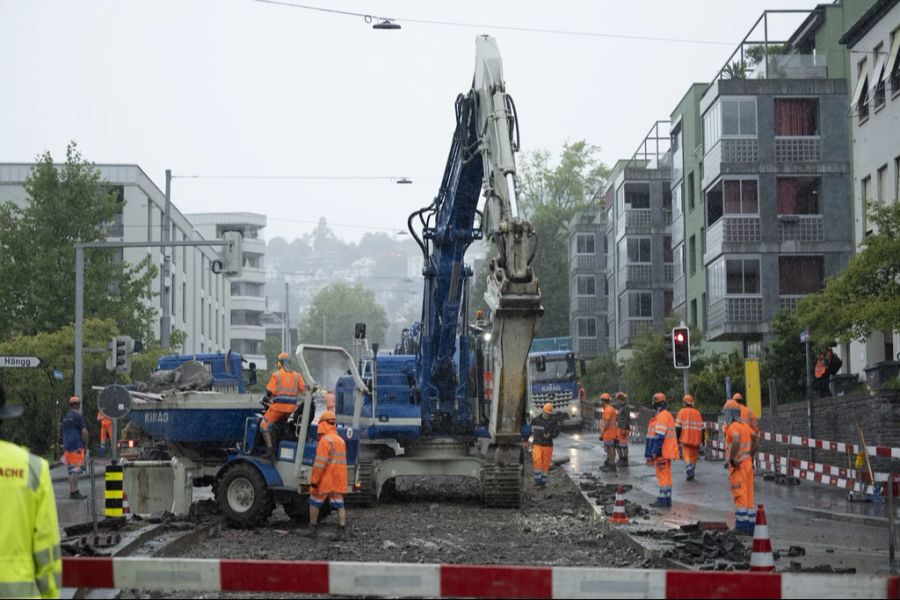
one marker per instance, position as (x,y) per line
(867,21)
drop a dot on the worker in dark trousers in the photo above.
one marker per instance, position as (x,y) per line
(623,428)
(544,428)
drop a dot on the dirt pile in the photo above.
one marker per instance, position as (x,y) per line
(705,549)
(604,494)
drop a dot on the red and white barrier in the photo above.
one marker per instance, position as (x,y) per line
(806,442)
(451,581)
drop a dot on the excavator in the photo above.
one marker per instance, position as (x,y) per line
(421,415)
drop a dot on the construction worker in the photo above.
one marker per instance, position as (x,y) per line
(608,418)
(328,481)
(329,400)
(689,429)
(283,390)
(75,440)
(750,420)
(738,449)
(30,563)
(105,431)
(663,450)
(623,428)
(544,428)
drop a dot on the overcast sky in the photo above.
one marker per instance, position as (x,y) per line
(241,87)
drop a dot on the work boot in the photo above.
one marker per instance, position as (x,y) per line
(690,476)
(76,496)
(661,503)
(608,468)
(340,535)
(310,532)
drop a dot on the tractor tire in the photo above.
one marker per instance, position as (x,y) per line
(297,509)
(245,499)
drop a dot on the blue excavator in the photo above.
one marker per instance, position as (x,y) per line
(424,412)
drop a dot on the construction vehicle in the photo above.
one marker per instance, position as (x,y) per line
(421,415)
(552,378)
(211,438)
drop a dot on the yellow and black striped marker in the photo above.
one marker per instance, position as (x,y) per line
(114,492)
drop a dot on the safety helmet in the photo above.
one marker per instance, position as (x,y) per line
(732,411)
(621,397)
(284,356)
(74,400)
(327,416)
(548,408)
(688,399)
(738,397)
(659,398)
(605,397)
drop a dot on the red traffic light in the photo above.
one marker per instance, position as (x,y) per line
(679,337)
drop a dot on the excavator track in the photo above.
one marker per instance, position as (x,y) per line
(365,496)
(501,483)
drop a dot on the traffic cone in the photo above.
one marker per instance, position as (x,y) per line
(761,559)
(619,516)
(126,509)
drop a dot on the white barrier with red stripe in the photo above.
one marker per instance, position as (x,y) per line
(453,581)
(806,442)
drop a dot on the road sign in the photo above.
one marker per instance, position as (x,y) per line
(58,375)
(19,362)
(805,338)
(114,401)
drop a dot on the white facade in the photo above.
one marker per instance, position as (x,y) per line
(248,292)
(874,114)
(199,301)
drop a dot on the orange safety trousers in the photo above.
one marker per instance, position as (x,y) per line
(278,411)
(691,454)
(741,480)
(540,458)
(664,472)
(105,430)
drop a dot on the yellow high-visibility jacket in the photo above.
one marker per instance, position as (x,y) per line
(30,561)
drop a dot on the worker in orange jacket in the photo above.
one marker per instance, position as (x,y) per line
(750,420)
(663,450)
(608,418)
(738,461)
(105,431)
(283,390)
(689,429)
(328,481)
(544,428)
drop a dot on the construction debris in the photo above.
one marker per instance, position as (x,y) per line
(706,549)
(604,494)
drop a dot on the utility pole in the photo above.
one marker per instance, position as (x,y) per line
(287,318)
(165,321)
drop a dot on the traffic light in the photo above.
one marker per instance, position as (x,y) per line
(681,347)
(121,348)
(233,253)
(667,346)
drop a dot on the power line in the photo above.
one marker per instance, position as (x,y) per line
(310,177)
(620,36)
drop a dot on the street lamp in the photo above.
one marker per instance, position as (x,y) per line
(404,181)
(384,24)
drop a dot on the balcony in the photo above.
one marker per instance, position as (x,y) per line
(586,262)
(668,272)
(638,274)
(678,292)
(249,303)
(735,318)
(587,347)
(634,220)
(252,275)
(677,230)
(801,228)
(728,234)
(254,246)
(629,329)
(587,304)
(789,303)
(248,332)
(667,217)
(798,149)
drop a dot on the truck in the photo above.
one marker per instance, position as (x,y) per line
(422,413)
(208,424)
(552,378)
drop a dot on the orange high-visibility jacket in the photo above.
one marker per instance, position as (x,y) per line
(665,426)
(742,433)
(286,386)
(329,471)
(691,422)
(750,420)
(610,415)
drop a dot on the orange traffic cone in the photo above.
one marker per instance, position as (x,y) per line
(619,516)
(126,509)
(761,559)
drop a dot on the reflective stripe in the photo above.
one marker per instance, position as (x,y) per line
(43,584)
(18,589)
(34,472)
(44,557)
(57,579)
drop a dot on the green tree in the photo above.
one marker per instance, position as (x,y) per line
(864,297)
(68,203)
(604,374)
(785,359)
(707,379)
(334,311)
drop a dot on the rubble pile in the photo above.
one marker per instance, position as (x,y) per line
(604,494)
(706,549)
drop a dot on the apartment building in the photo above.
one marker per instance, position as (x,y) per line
(198,299)
(588,284)
(246,293)
(873,43)
(640,266)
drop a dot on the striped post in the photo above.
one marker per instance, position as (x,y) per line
(761,559)
(114,491)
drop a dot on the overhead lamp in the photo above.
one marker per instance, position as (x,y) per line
(404,180)
(385,24)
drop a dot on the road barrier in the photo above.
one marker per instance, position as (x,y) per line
(453,581)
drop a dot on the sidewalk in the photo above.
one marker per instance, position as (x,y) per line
(59,472)
(805,515)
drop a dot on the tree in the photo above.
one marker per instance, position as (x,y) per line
(66,204)
(334,311)
(864,297)
(604,374)
(785,359)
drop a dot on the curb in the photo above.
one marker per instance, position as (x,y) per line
(845,517)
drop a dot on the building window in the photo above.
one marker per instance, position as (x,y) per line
(798,195)
(677,206)
(690,190)
(893,64)
(666,196)
(634,195)
(586,285)
(184,301)
(881,184)
(878,84)
(668,298)
(860,100)
(202,318)
(587,327)
(640,305)
(678,260)
(738,117)
(865,188)
(711,129)
(897,179)
(638,250)
(742,276)
(703,307)
(584,243)
(796,116)
(800,275)
(667,249)
(694,312)
(732,197)
(692,254)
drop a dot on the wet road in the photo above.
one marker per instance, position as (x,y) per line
(826,540)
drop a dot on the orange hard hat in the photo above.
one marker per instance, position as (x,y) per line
(659,398)
(74,400)
(605,397)
(548,408)
(731,404)
(327,416)
(738,397)
(688,399)
(284,356)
